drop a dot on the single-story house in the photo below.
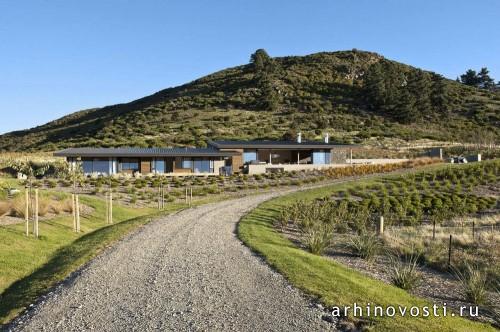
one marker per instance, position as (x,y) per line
(219,158)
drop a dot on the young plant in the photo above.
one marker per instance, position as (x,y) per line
(404,273)
(318,238)
(473,283)
(366,246)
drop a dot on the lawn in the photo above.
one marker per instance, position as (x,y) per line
(333,283)
(30,266)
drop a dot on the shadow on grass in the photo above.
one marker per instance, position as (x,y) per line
(64,261)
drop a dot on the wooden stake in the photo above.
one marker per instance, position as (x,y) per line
(190,196)
(27,211)
(107,207)
(186,195)
(77,213)
(73,207)
(162,197)
(449,252)
(381,226)
(159,197)
(434,229)
(473,230)
(110,207)
(35,225)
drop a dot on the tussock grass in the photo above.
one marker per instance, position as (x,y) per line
(329,281)
(474,284)
(366,246)
(404,273)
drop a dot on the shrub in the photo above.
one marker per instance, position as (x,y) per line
(473,283)
(133,199)
(43,206)
(284,218)
(366,246)
(51,183)
(404,274)
(18,206)
(318,237)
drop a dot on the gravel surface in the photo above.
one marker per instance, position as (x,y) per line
(183,272)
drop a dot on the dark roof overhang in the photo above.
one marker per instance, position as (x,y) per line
(143,152)
(277,145)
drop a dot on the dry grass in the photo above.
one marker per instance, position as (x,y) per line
(18,206)
(422,235)
(5,208)
(60,206)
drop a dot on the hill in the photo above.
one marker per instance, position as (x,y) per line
(354,95)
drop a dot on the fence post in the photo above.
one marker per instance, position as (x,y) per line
(110,207)
(27,211)
(159,197)
(473,230)
(190,196)
(106,199)
(77,213)
(186,196)
(73,207)
(381,226)
(449,252)
(36,213)
(434,229)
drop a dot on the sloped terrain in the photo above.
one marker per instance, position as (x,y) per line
(354,95)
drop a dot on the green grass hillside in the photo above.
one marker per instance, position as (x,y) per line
(355,95)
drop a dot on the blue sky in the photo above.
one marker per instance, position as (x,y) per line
(61,56)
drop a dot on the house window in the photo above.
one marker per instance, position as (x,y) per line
(100,166)
(187,163)
(87,165)
(203,166)
(159,166)
(321,157)
(249,155)
(129,164)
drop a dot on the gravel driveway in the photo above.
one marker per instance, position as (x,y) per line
(182,272)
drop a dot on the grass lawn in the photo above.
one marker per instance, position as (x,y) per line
(29,266)
(331,282)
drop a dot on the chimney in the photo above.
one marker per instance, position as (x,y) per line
(299,138)
(327,138)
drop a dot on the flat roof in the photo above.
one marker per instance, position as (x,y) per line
(276,145)
(143,152)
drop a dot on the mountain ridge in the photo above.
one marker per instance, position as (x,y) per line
(355,95)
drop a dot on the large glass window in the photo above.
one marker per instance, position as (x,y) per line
(249,155)
(129,164)
(187,163)
(203,166)
(320,157)
(101,166)
(87,166)
(159,166)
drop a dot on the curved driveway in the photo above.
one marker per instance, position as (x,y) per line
(183,272)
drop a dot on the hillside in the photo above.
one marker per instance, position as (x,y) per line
(354,95)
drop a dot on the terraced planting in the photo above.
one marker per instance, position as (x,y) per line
(421,210)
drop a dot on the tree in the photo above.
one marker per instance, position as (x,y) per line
(261,60)
(485,81)
(374,87)
(406,107)
(470,78)
(480,80)
(441,95)
(29,168)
